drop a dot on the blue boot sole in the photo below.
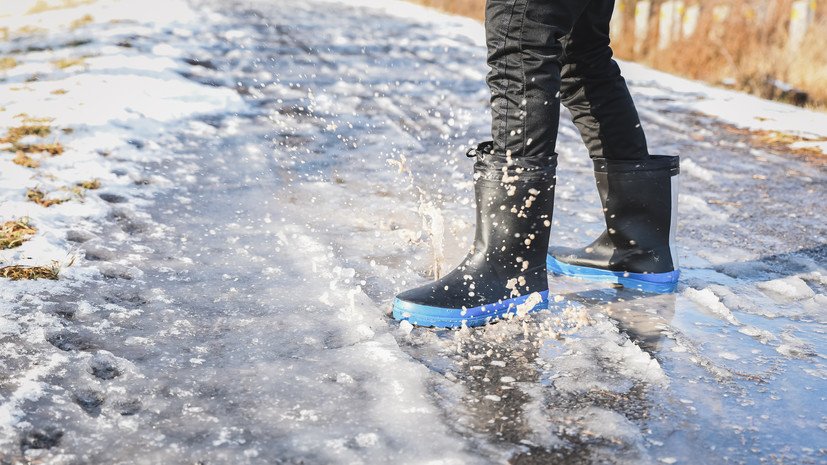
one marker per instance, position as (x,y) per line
(425,315)
(656,283)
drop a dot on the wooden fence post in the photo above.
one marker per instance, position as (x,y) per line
(720,13)
(643,9)
(801,17)
(690,20)
(670,22)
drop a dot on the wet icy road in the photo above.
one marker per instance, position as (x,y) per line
(242,315)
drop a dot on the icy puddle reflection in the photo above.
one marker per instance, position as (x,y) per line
(617,376)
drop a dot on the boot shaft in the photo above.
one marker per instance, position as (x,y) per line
(639,201)
(513,224)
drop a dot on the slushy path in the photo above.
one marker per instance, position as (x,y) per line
(243,311)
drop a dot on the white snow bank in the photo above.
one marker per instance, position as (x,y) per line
(117,99)
(737,108)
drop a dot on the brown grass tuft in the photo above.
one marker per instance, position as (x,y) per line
(15,233)
(39,197)
(14,134)
(64,63)
(86,19)
(779,142)
(25,118)
(78,190)
(18,272)
(41,5)
(783,144)
(54,149)
(23,159)
(7,63)
(30,30)
(34,128)
(90,185)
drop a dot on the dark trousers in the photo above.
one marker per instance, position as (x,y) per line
(542,52)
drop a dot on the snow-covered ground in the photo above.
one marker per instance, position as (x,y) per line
(272,173)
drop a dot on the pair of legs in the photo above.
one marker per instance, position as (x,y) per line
(542,53)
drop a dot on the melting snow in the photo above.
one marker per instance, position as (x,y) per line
(228,300)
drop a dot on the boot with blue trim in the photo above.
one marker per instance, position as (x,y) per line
(505,271)
(637,249)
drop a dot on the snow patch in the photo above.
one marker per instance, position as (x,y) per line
(786,290)
(707,299)
(688,166)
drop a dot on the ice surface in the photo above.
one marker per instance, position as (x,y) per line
(232,280)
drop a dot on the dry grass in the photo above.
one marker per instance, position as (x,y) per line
(18,272)
(775,137)
(31,30)
(24,159)
(15,233)
(90,185)
(750,47)
(7,63)
(39,197)
(78,192)
(54,148)
(86,19)
(783,144)
(64,63)
(14,134)
(25,118)
(42,5)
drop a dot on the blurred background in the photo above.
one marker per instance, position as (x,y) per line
(775,49)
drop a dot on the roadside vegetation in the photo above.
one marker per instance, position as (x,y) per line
(25,141)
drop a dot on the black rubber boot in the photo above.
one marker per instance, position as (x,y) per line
(505,271)
(636,250)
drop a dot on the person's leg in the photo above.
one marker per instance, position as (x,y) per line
(525,56)
(514,176)
(638,192)
(594,91)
